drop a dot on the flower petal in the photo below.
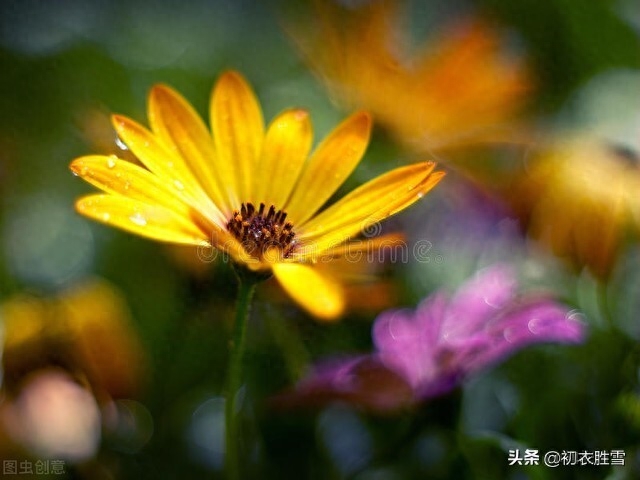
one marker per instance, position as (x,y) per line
(527,322)
(151,221)
(408,345)
(329,166)
(238,132)
(478,300)
(284,152)
(169,166)
(363,381)
(371,249)
(368,204)
(117,176)
(399,341)
(360,260)
(319,294)
(182,130)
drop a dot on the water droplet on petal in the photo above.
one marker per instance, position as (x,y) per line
(420,194)
(138,219)
(127,184)
(178,184)
(106,216)
(534,325)
(574,316)
(508,334)
(75,174)
(111,161)
(84,170)
(121,145)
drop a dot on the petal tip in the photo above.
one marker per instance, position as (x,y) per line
(80,205)
(160,90)
(328,316)
(439,175)
(76,166)
(119,121)
(231,77)
(363,119)
(300,114)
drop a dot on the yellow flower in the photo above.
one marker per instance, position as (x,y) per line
(580,198)
(250,193)
(457,90)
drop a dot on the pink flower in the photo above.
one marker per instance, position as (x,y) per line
(427,352)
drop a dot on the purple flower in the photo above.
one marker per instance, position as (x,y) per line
(427,352)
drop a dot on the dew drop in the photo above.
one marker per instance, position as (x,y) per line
(509,334)
(84,170)
(127,185)
(111,161)
(178,184)
(74,173)
(138,219)
(534,325)
(106,216)
(420,194)
(121,145)
(574,316)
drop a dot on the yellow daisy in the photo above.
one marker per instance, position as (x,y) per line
(253,193)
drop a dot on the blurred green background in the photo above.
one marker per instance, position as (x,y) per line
(66,65)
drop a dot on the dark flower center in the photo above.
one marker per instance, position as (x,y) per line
(260,232)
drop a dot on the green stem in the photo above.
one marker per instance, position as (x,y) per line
(243,306)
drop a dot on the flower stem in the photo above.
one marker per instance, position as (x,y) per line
(246,289)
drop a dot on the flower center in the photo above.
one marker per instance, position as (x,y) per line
(260,232)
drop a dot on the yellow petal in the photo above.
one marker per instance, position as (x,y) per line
(368,204)
(373,249)
(317,293)
(286,147)
(151,221)
(238,132)
(182,130)
(169,166)
(117,176)
(329,166)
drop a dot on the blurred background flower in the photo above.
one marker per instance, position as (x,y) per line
(65,362)
(460,88)
(428,352)
(581,198)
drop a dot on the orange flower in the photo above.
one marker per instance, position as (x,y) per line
(458,90)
